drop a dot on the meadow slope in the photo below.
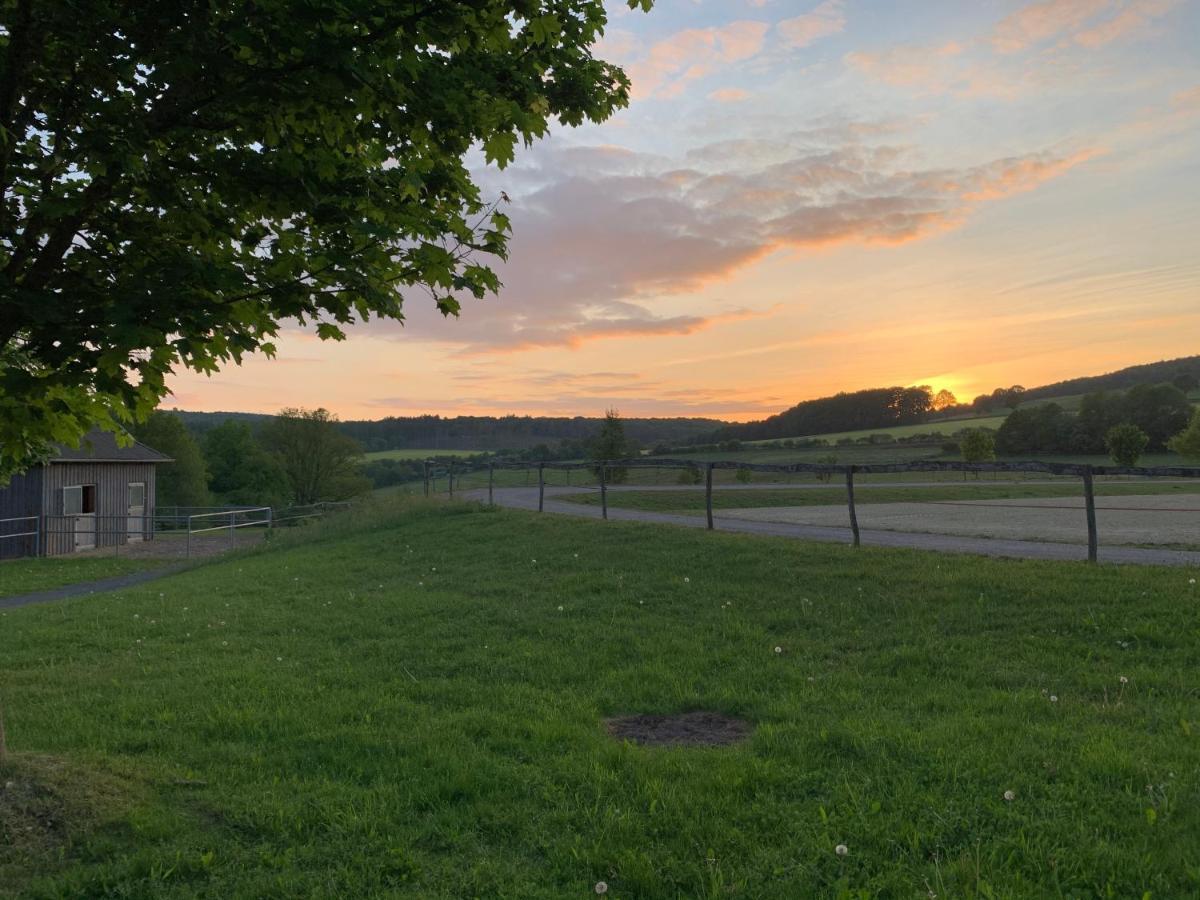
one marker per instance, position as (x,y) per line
(412,706)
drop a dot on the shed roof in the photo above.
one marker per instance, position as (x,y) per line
(101,446)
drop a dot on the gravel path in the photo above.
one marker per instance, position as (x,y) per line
(85,588)
(527,498)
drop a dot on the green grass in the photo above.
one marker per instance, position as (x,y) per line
(946,427)
(413,709)
(25,576)
(416,454)
(693,501)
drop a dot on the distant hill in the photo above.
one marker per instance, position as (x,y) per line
(857,411)
(511,432)
(1122,379)
(199,423)
(887,407)
(478,432)
(876,408)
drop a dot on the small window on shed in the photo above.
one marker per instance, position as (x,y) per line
(79,499)
(137,494)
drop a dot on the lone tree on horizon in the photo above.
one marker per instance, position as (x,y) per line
(611,443)
(178,179)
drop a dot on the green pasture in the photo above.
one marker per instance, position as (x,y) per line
(411,703)
(417,454)
(946,427)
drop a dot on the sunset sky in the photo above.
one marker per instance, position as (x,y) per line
(808,197)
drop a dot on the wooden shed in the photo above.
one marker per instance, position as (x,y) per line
(97,495)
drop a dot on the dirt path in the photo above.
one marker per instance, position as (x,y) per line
(1166,520)
(527,498)
(86,588)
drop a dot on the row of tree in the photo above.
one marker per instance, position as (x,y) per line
(857,411)
(1159,411)
(298,457)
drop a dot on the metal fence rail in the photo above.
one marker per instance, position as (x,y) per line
(36,533)
(1085,472)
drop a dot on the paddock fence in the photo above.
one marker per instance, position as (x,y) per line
(702,474)
(171,531)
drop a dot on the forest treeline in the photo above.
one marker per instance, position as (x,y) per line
(480,432)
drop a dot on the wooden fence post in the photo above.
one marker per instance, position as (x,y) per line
(850,502)
(603,493)
(541,486)
(425,476)
(491,478)
(450,477)
(708,494)
(1089,502)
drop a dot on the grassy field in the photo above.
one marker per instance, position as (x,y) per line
(947,428)
(412,707)
(416,454)
(25,576)
(693,501)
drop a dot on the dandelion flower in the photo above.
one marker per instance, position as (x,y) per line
(1010,796)
(841,849)
(601,887)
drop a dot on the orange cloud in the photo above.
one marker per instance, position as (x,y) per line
(577,334)
(1134,18)
(828,18)
(595,247)
(729,95)
(1013,176)
(670,64)
(1040,21)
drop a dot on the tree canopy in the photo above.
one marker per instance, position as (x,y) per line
(177,179)
(184,480)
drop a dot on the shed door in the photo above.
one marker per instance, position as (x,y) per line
(79,510)
(137,510)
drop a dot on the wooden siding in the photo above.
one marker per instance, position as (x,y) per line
(22,497)
(112,480)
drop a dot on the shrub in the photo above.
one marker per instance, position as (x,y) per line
(978,446)
(1187,442)
(744,475)
(1125,443)
(690,475)
(951,448)
(828,459)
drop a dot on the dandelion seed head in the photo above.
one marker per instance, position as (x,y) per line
(778,649)
(841,849)
(601,887)
(1124,680)
(1010,796)
(1054,698)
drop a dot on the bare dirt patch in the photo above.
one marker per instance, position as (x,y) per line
(45,803)
(692,729)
